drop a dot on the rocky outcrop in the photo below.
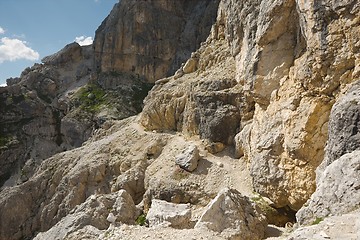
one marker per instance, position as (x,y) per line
(199,103)
(133,45)
(337,190)
(234,216)
(293,91)
(68,179)
(122,157)
(337,176)
(329,228)
(272,83)
(32,109)
(93,212)
(343,127)
(169,214)
(276,81)
(152,38)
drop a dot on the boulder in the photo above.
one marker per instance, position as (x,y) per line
(234,216)
(189,158)
(337,190)
(171,214)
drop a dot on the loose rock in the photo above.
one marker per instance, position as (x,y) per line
(189,158)
(234,216)
(165,213)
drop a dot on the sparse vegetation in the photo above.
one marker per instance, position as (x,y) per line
(317,220)
(91,97)
(141,220)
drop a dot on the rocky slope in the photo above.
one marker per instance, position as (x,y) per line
(57,105)
(259,123)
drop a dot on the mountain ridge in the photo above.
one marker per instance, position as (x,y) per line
(269,98)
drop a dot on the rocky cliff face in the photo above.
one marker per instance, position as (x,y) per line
(57,105)
(33,109)
(269,100)
(289,69)
(152,38)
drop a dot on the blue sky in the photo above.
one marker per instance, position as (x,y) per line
(33,29)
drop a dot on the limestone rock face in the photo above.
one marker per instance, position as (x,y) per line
(68,179)
(337,176)
(277,77)
(337,190)
(165,213)
(276,80)
(328,228)
(32,109)
(343,127)
(93,212)
(234,216)
(150,38)
(203,103)
(293,94)
(46,111)
(70,53)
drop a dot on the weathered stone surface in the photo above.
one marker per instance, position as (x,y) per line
(337,176)
(166,181)
(344,134)
(189,158)
(70,53)
(293,93)
(207,105)
(337,190)
(190,65)
(32,108)
(346,226)
(268,73)
(171,214)
(160,35)
(94,212)
(286,147)
(68,179)
(234,216)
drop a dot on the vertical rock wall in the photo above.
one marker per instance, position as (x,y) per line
(291,59)
(152,38)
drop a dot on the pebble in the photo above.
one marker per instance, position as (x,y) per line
(111,218)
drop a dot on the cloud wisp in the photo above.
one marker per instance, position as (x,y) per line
(83,40)
(2,31)
(15,49)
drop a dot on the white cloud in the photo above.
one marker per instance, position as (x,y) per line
(3,85)
(2,31)
(83,41)
(15,49)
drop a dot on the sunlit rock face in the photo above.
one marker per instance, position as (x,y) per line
(269,73)
(150,38)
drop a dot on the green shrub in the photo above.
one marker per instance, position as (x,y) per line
(141,220)
(317,220)
(91,97)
